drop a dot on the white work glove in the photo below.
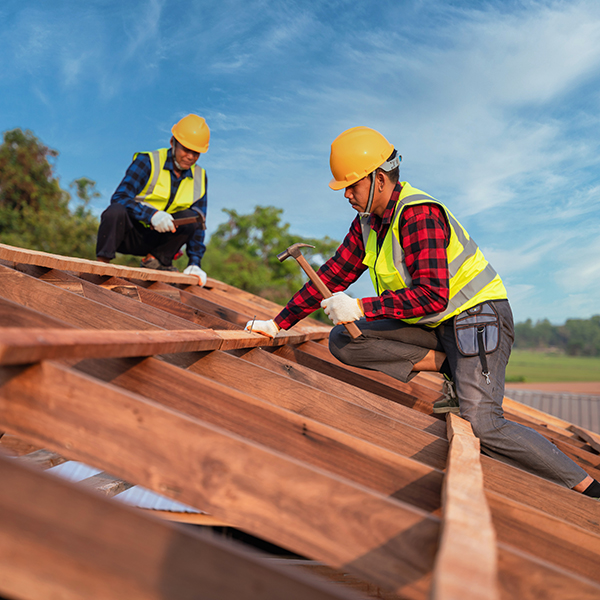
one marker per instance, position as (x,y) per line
(268,328)
(341,308)
(162,221)
(196,270)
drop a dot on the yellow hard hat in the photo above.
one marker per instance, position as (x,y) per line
(355,153)
(192,132)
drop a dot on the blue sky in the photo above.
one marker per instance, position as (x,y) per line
(494,107)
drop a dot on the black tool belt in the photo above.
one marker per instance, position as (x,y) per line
(477,332)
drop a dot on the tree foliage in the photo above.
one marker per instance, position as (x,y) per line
(243,252)
(577,337)
(35,211)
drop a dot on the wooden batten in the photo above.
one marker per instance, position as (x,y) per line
(466,566)
(593,439)
(22,346)
(81,265)
(144,376)
(91,547)
(325,517)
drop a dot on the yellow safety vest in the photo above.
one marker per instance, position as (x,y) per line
(472,278)
(157,190)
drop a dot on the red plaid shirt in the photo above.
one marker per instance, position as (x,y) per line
(424,236)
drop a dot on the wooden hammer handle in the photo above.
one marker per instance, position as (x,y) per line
(351,328)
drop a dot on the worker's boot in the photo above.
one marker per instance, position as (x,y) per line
(151,262)
(450,401)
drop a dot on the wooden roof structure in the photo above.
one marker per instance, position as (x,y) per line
(152,380)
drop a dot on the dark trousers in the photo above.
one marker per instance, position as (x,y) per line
(393,347)
(120,232)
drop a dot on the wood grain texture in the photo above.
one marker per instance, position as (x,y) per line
(42,459)
(294,434)
(338,387)
(282,500)
(319,359)
(466,563)
(13,314)
(22,346)
(593,439)
(106,484)
(174,307)
(127,303)
(341,452)
(361,421)
(66,306)
(82,265)
(58,540)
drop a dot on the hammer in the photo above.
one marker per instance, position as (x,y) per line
(294,251)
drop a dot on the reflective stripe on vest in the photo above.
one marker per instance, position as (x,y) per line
(157,191)
(465,290)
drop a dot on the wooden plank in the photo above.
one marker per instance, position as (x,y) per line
(363,379)
(296,435)
(549,497)
(513,407)
(282,500)
(82,265)
(223,290)
(42,459)
(292,370)
(553,540)
(498,477)
(522,577)
(106,484)
(21,346)
(466,563)
(593,439)
(429,387)
(340,453)
(239,316)
(173,307)
(231,303)
(359,421)
(16,315)
(12,445)
(58,540)
(56,303)
(122,302)
(192,518)
(233,340)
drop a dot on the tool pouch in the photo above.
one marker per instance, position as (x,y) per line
(477,332)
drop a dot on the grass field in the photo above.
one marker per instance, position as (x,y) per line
(532,367)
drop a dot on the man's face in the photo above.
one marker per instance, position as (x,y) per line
(358,194)
(184,157)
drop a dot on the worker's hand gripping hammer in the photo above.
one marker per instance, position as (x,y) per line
(294,252)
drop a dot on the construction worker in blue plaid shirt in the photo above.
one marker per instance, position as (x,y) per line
(159,187)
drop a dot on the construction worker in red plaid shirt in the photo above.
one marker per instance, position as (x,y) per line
(438,304)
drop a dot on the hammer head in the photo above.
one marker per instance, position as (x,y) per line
(293,251)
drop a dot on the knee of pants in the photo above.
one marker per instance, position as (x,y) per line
(339,344)
(114,211)
(187,231)
(484,424)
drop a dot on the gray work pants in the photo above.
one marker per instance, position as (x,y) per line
(393,347)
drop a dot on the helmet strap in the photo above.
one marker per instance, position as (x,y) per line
(371,194)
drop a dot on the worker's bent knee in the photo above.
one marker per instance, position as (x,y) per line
(114,211)
(485,426)
(340,344)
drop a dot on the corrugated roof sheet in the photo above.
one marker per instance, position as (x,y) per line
(581,410)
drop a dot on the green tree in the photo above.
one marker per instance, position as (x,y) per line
(35,211)
(582,336)
(243,252)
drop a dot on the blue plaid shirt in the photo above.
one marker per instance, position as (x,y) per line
(133,183)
